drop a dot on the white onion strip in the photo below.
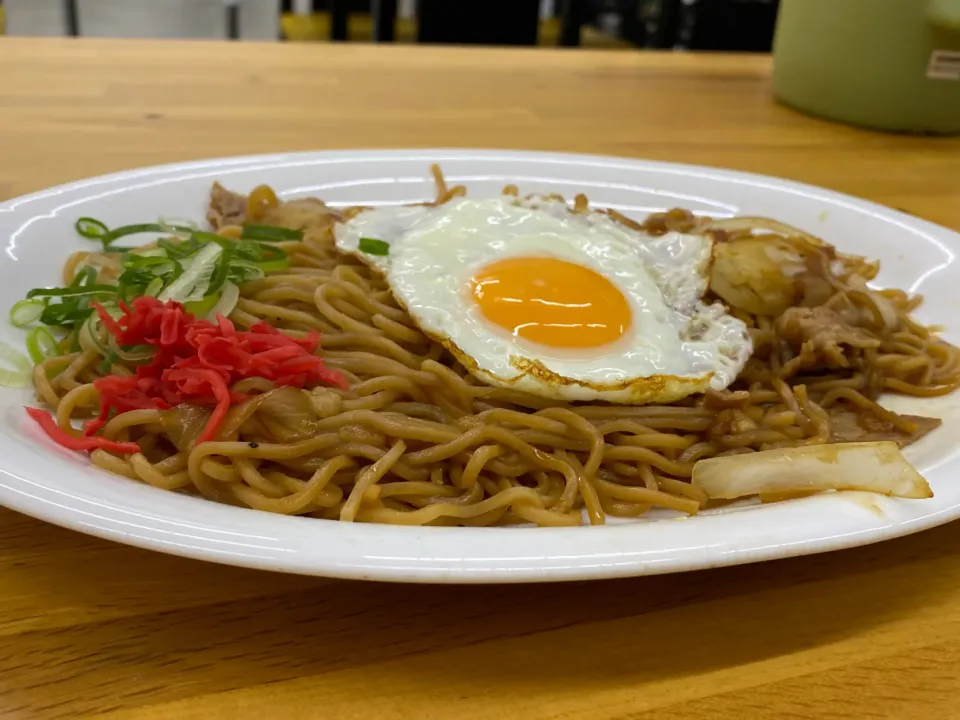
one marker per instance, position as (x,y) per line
(229,295)
(877,467)
(736,224)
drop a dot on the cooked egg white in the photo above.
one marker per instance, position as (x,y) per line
(531,296)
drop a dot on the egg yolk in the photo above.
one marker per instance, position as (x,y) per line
(551,301)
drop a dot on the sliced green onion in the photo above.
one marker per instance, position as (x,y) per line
(249,250)
(26,312)
(64,315)
(181,229)
(193,284)
(152,252)
(202,308)
(178,222)
(272,254)
(42,345)
(18,374)
(154,287)
(107,363)
(90,228)
(269,233)
(274,265)
(241,271)
(207,237)
(85,276)
(69,292)
(222,273)
(372,246)
(117,233)
(147,261)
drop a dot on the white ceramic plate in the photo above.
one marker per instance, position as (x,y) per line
(40,479)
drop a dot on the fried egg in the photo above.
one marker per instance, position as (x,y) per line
(529,295)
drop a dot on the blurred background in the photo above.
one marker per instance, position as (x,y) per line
(731,25)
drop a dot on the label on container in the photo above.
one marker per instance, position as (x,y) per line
(944,65)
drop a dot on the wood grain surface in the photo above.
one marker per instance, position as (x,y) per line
(88,627)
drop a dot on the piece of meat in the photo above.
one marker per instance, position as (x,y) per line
(847,425)
(824,332)
(730,422)
(307,214)
(226,208)
(674,220)
(302,214)
(813,289)
(726,400)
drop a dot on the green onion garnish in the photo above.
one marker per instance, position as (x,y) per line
(193,283)
(66,315)
(197,268)
(200,308)
(26,312)
(90,228)
(268,233)
(205,237)
(272,258)
(113,235)
(42,345)
(17,374)
(154,287)
(109,359)
(372,246)
(81,291)
(85,276)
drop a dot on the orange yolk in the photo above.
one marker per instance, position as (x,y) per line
(550,301)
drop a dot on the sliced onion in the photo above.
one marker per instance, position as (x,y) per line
(184,424)
(877,467)
(130,355)
(229,295)
(292,413)
(91,333)
(891,319)
(18,372)
(736,224)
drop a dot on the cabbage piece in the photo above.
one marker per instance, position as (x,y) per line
(870,466)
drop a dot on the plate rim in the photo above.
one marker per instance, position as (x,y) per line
(475,569)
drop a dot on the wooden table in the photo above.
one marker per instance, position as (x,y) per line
(88,626)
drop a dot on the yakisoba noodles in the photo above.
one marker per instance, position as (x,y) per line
(416,440)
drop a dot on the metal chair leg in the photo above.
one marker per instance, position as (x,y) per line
(571,20)
(384,20)
(339,15)
(233,20)
(665,35)
(72,17)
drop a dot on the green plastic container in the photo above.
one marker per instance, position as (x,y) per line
(886,64)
